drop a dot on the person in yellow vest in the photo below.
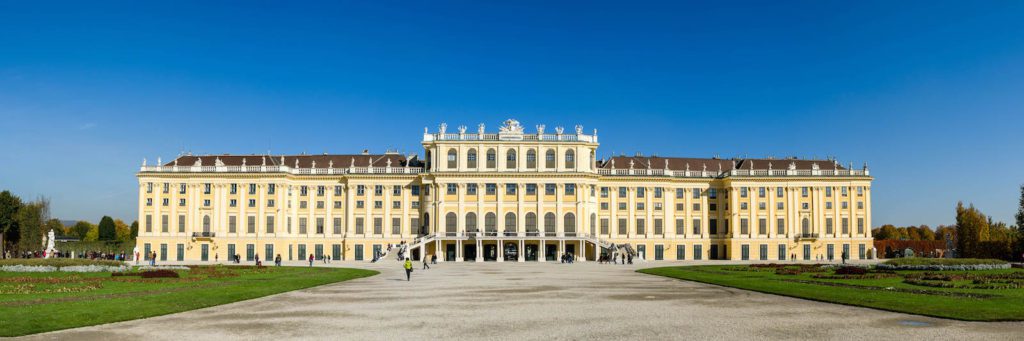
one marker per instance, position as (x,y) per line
(408,269)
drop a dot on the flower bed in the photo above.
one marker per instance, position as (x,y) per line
(57,262)
(162,267)
(72,268)
(160,274)
(940,267)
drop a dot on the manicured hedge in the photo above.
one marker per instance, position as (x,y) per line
(943,261)
(57,262)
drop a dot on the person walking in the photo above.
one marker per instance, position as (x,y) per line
(425,266)
(433,259)
(277,260)
(311,260)
(408,269)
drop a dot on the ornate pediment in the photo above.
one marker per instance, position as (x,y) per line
(511,127)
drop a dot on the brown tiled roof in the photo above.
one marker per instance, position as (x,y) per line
(674,163)
(696,164)
(784,164)
(304,161)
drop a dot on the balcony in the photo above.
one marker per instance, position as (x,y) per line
(806,236)
(203,234)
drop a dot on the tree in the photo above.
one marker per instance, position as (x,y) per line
(55,225)
(1019,245)
(926,232)
(107,229)
(135,229)
(124,232)
(912,233)
(31,218)
(971,230)
(942,231)
(81,229)
(93,234)
(9,205)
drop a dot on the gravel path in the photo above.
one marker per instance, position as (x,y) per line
(533,301)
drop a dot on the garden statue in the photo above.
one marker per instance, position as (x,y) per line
(49,244)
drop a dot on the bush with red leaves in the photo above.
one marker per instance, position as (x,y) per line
(159,274)
(851,270)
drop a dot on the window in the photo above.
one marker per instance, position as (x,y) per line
(604,192)
(860,225)
(149,201)
(696,193)
(860,205)
(360,225)
(319,225)
(680,252)
(492,158)
(782,252)
(623,226)
(378,190)
(570,189)
(471,189)
(696,207)
(415,189)
(149,223)
(337,204)
(378,225)
(604,226)
(471,159)
(712,193)
(780,226)
(680,193)
(549,189)
(713,226)
(657,192)
(763,252)
(510,159)
(270,202)
(491,223)
(396,204)
(743,192)
(149,187)
(549,224)
(531,189)
(471,222)
(860,251)
(396,225)
(828,192)
(659,229)
(845,190)
(698,252)
(657,206)
(622,206)
(415,204)
(761,192)
(303,190)
(805,206)
(803,192)
(302,225)
(232,224)
(360,190)
(451,223)
(622,192)
(166,202)
(680,226)
(337,225)
(531,159)
(453,159)
(271,188)
(250,224)
(167,187)
(570,159)
(845,205)
(252,203)
(846,225)
(778,192)
(805,226)
(743,205)
(745,252)
(510,189)
(744,226)
(360,204)
(762,226)
(640,192)
(640,226)
(452,189)
(181,223)
(270,224)
(549,159)
(395,190)
(778,206)
(181,190)
(163,223)
(302,204)
(640,206)
(860,193)
(696,227)
(378,204)
(510,224)
(604,206)
(181,202)
(828,225)
(761,205)
(491,189)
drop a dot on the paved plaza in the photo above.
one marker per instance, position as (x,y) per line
(533,301)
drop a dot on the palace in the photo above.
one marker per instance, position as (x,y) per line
(505,196)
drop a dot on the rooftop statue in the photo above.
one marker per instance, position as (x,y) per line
(511,127)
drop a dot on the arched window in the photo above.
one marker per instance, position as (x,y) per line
(570,159)
(471,159)
(451,223)
(510,159)
(549,224)
(569,224)
(531,159)
(806,226)
(492,159)
(453,159)
(593,224)
(531,224)
(490,223)
(510,224)
(471,222)
(206,223)
(549,159)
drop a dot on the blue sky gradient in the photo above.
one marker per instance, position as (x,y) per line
(929,93)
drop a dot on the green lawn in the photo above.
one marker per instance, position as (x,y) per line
(893,294)
(39,302)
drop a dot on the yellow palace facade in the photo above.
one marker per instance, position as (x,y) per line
(503,196)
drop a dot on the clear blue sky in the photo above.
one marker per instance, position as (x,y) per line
(929,93)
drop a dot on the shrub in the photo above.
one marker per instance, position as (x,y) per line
(944,261)
(851,270)
(159,274)
(57,262)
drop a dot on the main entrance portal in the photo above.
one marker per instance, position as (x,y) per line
(511,252)
(469,252)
